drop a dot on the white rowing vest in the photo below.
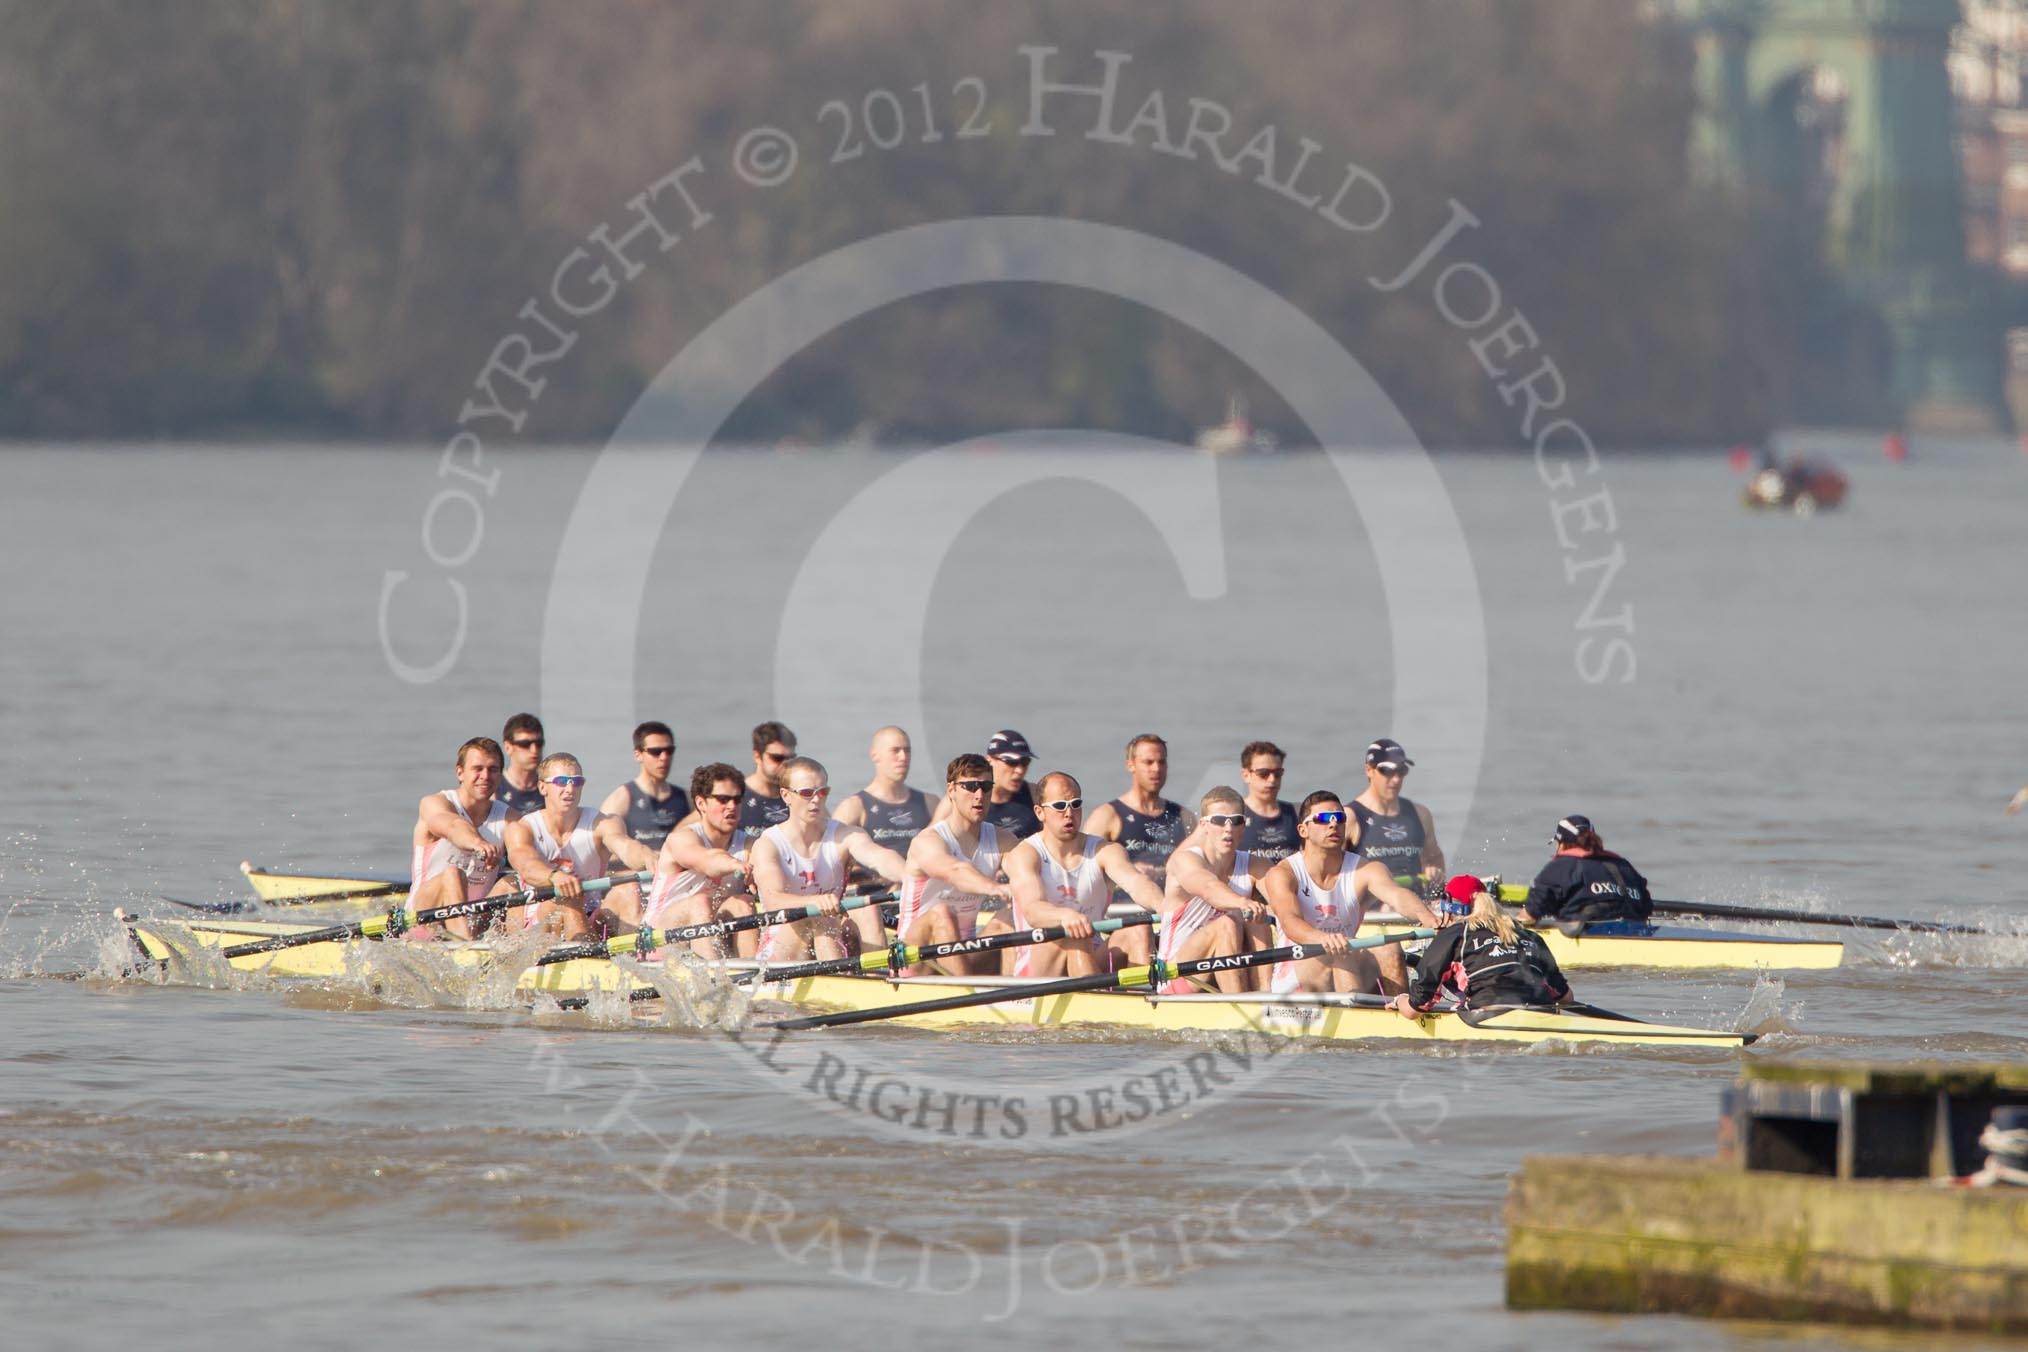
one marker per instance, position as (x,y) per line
(430,860)
(672,889)
(811,875)
(919,891)
(1241,883)
(577,851)
(1084,890)
(1336,908)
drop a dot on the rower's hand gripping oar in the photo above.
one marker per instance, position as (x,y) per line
(642,943)
(1148,974)
(1516,894)
(400,919)
(895,955)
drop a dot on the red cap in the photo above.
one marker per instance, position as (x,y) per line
(1463,888)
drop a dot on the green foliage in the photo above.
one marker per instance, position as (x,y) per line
(321,216)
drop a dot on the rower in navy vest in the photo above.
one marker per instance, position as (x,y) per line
(1012,809)
(1388,827)
(1481,958)
(1584,883)
(1270,819)
(1141,819)
(762,806)
(892,812)
(523,740)
(648,803)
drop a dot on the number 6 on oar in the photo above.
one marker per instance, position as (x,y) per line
(401,919)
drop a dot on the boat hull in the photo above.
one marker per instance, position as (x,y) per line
(1325,1018)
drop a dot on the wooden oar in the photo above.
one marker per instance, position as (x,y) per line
(896,955)
(401,919)
(1150,974)
(646,941)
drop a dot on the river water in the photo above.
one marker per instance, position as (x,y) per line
(201,668)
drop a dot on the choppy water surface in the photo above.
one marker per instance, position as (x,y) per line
(1824,714)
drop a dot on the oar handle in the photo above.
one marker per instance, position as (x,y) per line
(1150,974)
(909,955)
(644,942)
(400,919)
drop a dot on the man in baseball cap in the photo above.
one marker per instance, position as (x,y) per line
(1012,806)
(1387,826)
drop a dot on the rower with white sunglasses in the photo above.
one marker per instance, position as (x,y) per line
(1211,907)
(1062,876)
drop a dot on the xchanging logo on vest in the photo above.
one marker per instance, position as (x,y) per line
(1438,631)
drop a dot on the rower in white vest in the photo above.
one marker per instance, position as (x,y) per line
(460,840)
(1319,896)
(952,867)
(701,873)
(565,846)
(1063,877)
(804,860)
(1211,907)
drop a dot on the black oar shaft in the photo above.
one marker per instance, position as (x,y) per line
(1149,974)
(647,941)
(1812,918)
(399,919)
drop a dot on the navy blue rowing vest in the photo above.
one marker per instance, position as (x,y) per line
(757,814)
(895,824)
(1396,841)
(1016,815)
(1150,839)
(648,820)
(523,801)
(1272,838)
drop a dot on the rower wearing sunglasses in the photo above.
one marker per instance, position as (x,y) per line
(1062,876)
(762,806)
(1389,828)
(805,860)
(700,874)
(648,803)
(1270,818)
(1319,896)
(565,846)
(522,738)
(1146,824)
(952,867)
(1211,907)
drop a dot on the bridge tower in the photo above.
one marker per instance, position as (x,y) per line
(1892,203)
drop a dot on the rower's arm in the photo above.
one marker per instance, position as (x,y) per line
(929,856)
(1024,880)
(1188,874)
(683,850)
(615,804)
(1119,866)
(1553,974)
(1380,885)
(851,810)
(526,859)
(448,823)
(1432,852)
(770,884)
(611,832)
(1279,887)
(864,850)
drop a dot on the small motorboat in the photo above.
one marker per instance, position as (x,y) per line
(1802,486)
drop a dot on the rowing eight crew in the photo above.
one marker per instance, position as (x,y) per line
(1217,900)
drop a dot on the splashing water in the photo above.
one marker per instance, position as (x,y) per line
(1765,1013)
